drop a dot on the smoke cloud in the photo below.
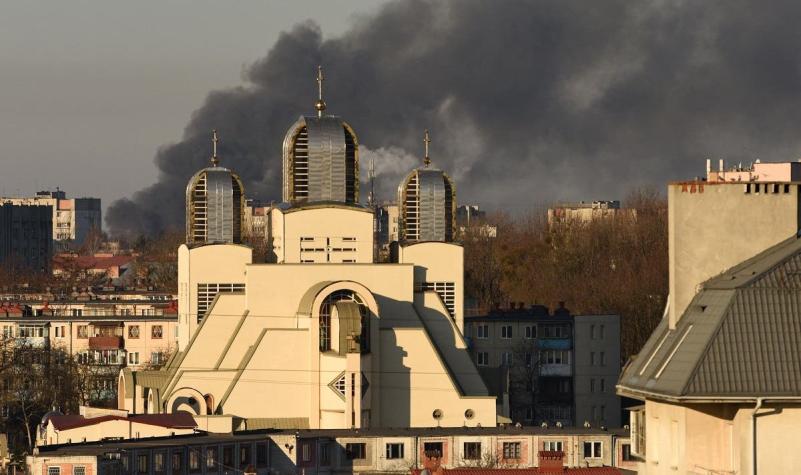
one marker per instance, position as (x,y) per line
(527,101)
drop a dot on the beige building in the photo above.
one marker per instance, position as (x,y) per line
(585,212)
(323,334)
(719,376)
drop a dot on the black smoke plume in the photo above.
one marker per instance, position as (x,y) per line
(527,101)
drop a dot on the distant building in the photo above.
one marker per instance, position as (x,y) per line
(756,172)
(722,365)
(466,214)
(386,218)
(26,236)
(572,363)
(73,219)
(585,212)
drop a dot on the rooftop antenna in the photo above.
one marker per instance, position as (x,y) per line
(214,160)
(320,105)
(427,141)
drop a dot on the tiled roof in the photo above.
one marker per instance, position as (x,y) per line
(739,337)
(529,471)
(177,420)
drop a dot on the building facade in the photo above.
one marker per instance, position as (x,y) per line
(73,219)
(718,377)
(559,368)
(26,236)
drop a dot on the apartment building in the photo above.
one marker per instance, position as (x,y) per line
(25,236)
(338,451)
(561,368)
(73,219)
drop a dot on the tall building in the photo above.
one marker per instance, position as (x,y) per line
(719,376)
(73,219)
(331,338)
(427,203)
(321,158)
(215,201)
(26,236)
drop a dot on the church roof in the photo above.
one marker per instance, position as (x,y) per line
(739,337)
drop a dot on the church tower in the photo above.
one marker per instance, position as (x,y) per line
(215,201)
(321,158)
(427,203)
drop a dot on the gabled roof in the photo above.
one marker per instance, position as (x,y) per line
(739,338)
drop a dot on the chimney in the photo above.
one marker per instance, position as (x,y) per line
(551,461)
(708,166)
(720,165)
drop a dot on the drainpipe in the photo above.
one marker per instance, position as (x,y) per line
(757,407)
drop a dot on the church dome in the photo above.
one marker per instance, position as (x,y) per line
(427,203)
(215,199)
(321,158)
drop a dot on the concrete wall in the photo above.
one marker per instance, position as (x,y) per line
(714,226)
(594,382)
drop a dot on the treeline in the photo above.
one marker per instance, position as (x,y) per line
(612,265)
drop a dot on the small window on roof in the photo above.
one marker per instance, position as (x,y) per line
(747,188)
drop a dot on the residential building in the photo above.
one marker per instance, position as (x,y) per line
(334,338)
(110,266)
(73,220)
(718,377)
(561,368)
(585,212)
(597,368)
(386,217)
(26,236)
(344,451)
(757,172)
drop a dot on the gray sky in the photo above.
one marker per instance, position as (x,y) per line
(89,89)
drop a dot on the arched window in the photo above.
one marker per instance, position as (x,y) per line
(325,318)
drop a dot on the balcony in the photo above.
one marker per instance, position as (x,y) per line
(554,343)
(553,369)
(105,342)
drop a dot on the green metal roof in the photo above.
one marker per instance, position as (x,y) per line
(739,338)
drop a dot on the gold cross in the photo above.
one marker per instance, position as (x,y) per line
(320,106)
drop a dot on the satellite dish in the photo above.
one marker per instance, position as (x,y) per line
(468,414)
(437,414)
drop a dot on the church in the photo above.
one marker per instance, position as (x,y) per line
(320,335)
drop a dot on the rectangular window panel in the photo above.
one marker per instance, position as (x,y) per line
(207,292)
(472,450)
(394,451)
(511,450)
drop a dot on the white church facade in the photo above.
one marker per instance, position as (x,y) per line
(321,335)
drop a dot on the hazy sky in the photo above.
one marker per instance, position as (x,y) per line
(89,89)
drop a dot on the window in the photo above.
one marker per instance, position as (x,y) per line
(603,358)
(432,449)
(482,358)
(158,462)
(194,459)
(356,451)
(528,360)
(141,463)
(506,358)
(244,455)
(155,357)
(626,449)
(506,332)
(592,332)
(156,331)
(261,454)
(83,331)
(482,331)
(395,451)
(601,332)
(77,312)
(531,332)
(325,453)
(511,450)
(555,357)
(228,455)
(552,445)
(305,452)
(325,318)
(211,457)
(472,451)
(592,385)
(592,358)
(79,470)
(592,450)
(133,331)
(177,461)
(133,358)
(603,385)
(53,470)
(207,292)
